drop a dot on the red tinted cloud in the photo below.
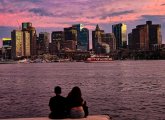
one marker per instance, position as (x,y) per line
(62,13)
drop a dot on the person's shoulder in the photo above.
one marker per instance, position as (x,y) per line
(59,97)
(52,98)
(62,97)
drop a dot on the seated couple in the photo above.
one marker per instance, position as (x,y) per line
(73,106)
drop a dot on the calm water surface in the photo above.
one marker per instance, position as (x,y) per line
(126,90)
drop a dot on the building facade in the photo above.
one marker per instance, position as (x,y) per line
(6,48)
(70,34)
(110,39)
(97,38)
(57,36)
(120,32)
(82,37)
(145,37)
(6,42)
(43,43)
(17,44)
(69,45)
(155,36)
(26,43)
(100,41)
(57,39)
(27,26)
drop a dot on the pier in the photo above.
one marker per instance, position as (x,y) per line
(90,117)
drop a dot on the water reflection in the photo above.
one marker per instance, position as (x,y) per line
(126,90)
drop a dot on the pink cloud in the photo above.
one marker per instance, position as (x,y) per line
(67,13)
(60,14)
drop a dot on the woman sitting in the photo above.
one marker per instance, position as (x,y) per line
(76,104)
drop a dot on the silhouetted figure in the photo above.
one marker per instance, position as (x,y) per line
(76,105)
(57,105)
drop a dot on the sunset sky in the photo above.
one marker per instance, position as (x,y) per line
(52,15)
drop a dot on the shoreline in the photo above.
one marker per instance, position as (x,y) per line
(26,62)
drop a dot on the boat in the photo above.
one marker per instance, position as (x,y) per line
(99,59)
(24,61)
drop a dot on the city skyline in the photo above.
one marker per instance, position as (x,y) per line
(48,16)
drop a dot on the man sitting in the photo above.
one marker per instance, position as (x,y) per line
(57,105)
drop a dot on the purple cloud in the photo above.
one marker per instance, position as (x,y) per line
(61,13)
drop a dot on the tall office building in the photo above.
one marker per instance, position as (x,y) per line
(145,37)
(26,43)
(142,42)
(97,37)
(120,32)
(27,26)
(130,41)
(110,39)
(155,36)
(82,37)
(57,40)
(33,41)
(70,34)
(17,43)
(100,41)
(139,39)
(70,38)
(43,42)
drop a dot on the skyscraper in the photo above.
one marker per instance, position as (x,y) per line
(57,40)
(27,26)
(70,39)
(26,43)
(70,34)
(120,32)
(155,36)
(130,41)
(43,42)
(100,42)
(17,43)
(82,37)
(97,37)
(145,37)
(110,39)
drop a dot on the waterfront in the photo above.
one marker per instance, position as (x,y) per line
(126,90)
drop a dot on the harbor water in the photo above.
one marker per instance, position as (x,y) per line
(125,90)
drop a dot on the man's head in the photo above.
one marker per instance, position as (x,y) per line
(57,90)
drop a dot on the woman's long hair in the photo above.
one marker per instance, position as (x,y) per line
(75,92)
(75,96)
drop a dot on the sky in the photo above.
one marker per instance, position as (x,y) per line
(53,15)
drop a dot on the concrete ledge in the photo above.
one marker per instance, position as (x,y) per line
(90,117)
